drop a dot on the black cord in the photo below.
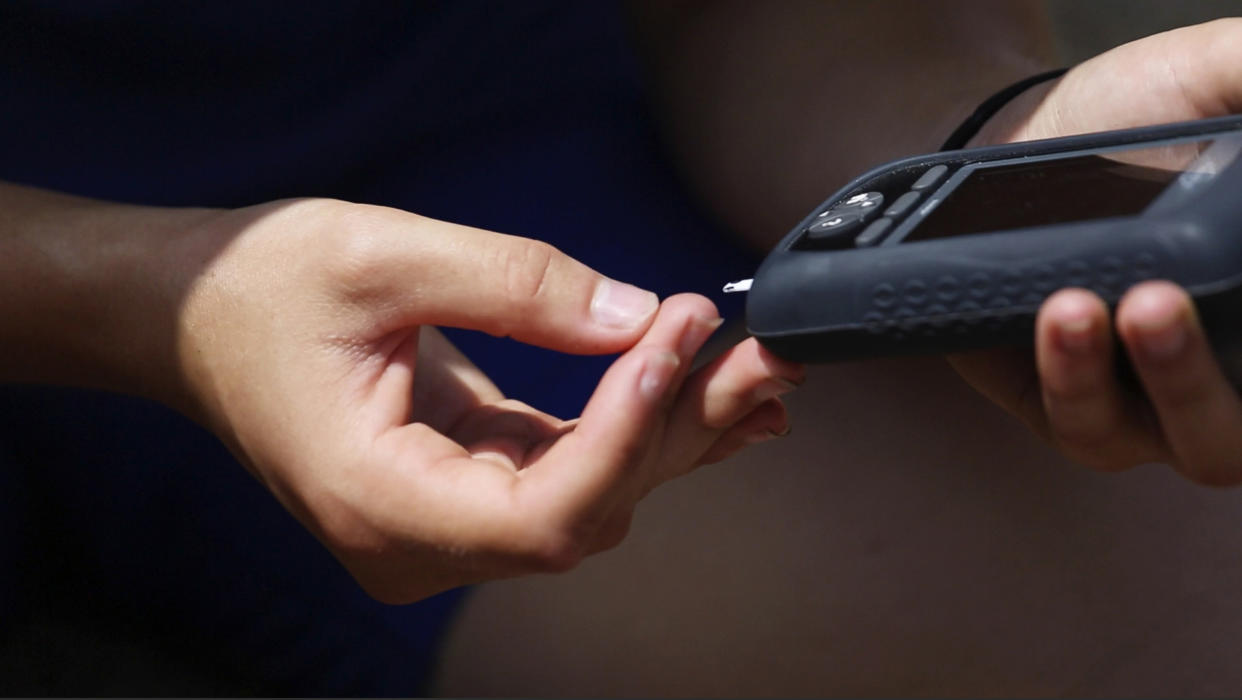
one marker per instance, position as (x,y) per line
(985,111)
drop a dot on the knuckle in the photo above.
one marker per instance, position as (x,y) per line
(311,212)
(523,268)
(527,267)
(354,242)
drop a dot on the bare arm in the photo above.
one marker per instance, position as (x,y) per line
(89,289)
(769,106)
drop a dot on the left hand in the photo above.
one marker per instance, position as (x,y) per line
(1070,394)
(306,341)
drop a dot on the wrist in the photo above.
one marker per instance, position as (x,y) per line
(90,292)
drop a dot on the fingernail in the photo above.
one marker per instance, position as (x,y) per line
(773,387)
(619,305)
(698,330)
(1160,325)
(657,373)
(1162,342)
(1075,336)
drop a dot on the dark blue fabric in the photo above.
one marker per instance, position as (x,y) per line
(15,526)
(526,118)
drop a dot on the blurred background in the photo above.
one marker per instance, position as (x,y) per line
(868,555)
(1086,28)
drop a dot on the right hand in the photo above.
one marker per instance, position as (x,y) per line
(306,342)
(1189,414)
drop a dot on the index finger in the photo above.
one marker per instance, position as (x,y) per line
(590,470)
(438,273)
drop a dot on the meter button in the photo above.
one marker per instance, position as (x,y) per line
(930,178)
(903,204)
(833,231)
(866,202)
(874,233)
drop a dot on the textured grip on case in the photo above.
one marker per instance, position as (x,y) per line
(960,305)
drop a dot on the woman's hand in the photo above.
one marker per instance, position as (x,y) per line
(1069,392)
(307,342)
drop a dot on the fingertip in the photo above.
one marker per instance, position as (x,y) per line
(1085,410)
(683,325)
(779,367)
(696,304)
(1148,301)
(1072,321)
(694,335)
(1157,321)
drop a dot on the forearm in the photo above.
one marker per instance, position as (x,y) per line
(770,106)
(89,289)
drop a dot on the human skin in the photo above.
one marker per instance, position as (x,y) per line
(302,333)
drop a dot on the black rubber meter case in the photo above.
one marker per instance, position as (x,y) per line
(957,250)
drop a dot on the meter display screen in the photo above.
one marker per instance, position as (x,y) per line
(1012,194)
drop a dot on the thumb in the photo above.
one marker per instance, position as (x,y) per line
(1178,75)
(438,273)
